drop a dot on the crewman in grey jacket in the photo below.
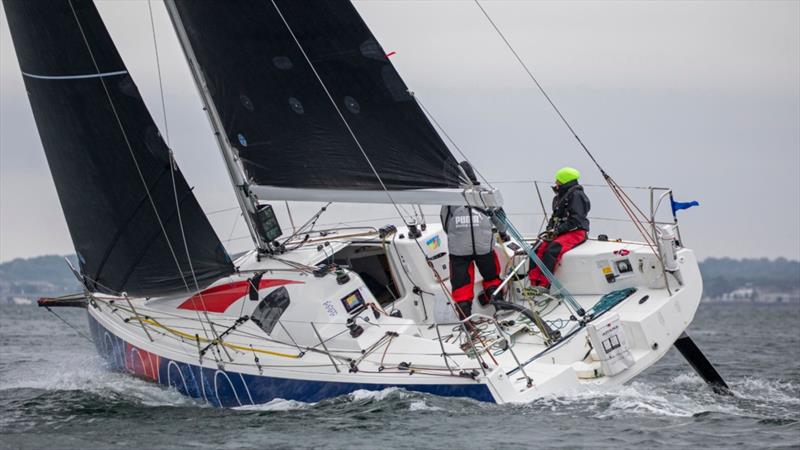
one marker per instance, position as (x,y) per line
(470,238)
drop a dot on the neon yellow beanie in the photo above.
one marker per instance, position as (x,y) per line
(567,174)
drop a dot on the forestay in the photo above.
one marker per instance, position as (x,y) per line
(111,168)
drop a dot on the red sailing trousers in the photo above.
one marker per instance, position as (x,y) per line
(551,252)
(462,274)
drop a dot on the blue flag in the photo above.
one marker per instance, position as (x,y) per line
(677,206)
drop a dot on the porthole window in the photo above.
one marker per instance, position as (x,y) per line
(246,102)
(282,62)
(371,49)
(352,105)
(296,105)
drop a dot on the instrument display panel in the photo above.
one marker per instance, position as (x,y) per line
(353,301)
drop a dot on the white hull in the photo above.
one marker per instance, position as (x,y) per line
(309,353)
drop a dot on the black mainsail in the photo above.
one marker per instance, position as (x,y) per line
(289,81)
(115,178)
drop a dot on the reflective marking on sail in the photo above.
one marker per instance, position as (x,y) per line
(75,77)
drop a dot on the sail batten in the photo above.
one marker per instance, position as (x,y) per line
(111,168)
(75,77)
(308,98)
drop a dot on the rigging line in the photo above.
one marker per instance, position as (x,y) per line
(237,238)
(612,184)
(310,223)
(338,111)
(75,329)
(447,135)
(541,201)
(643,188)
(291,219)
(541,89)
(158,69)
(217,211)
(233,228)
(173,168)
(127,142)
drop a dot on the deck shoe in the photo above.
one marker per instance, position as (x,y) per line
(464,309)
(489,295)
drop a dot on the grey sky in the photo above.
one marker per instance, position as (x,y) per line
(700,96)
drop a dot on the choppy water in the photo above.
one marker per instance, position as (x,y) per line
(55,392)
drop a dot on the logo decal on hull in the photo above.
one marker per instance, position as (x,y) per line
(141,363)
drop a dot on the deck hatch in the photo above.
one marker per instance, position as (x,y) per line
(270,309)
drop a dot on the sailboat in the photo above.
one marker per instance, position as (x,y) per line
(306,106)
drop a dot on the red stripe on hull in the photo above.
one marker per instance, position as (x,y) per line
(218,298)
(141,363)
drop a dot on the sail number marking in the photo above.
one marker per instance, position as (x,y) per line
(329,308)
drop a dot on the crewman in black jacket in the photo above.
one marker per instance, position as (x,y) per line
(568,226)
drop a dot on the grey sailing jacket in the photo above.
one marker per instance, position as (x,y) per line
(469,231)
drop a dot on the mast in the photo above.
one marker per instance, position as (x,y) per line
(247,201)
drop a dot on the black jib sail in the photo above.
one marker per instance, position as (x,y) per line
(111,168)
(267,66)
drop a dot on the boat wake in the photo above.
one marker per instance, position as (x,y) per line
(83,394)
(362,398)
(683,395)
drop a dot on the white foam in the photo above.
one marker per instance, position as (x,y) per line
(689,379)
(91,375)
(277,404)
(420,405)
(364,394)
(645,399)
(766,390)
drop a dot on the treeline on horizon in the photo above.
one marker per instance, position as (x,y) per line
(50,274)
(722,275)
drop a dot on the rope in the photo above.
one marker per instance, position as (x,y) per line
(447,135)
(623,198)
(218,211)
(129,146)
(80,333)
(570,300)
(155,323)
(541,89)
(158,70)
(644,188)
(173,166)
(309,225)
(339,111)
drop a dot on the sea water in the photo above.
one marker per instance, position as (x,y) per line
(55,392)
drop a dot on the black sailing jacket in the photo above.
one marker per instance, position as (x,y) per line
(570,209)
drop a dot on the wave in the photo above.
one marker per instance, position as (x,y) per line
(684,395)
(364,394)
(278,404)
(91,375)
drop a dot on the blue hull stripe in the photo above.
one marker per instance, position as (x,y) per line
(227,389)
